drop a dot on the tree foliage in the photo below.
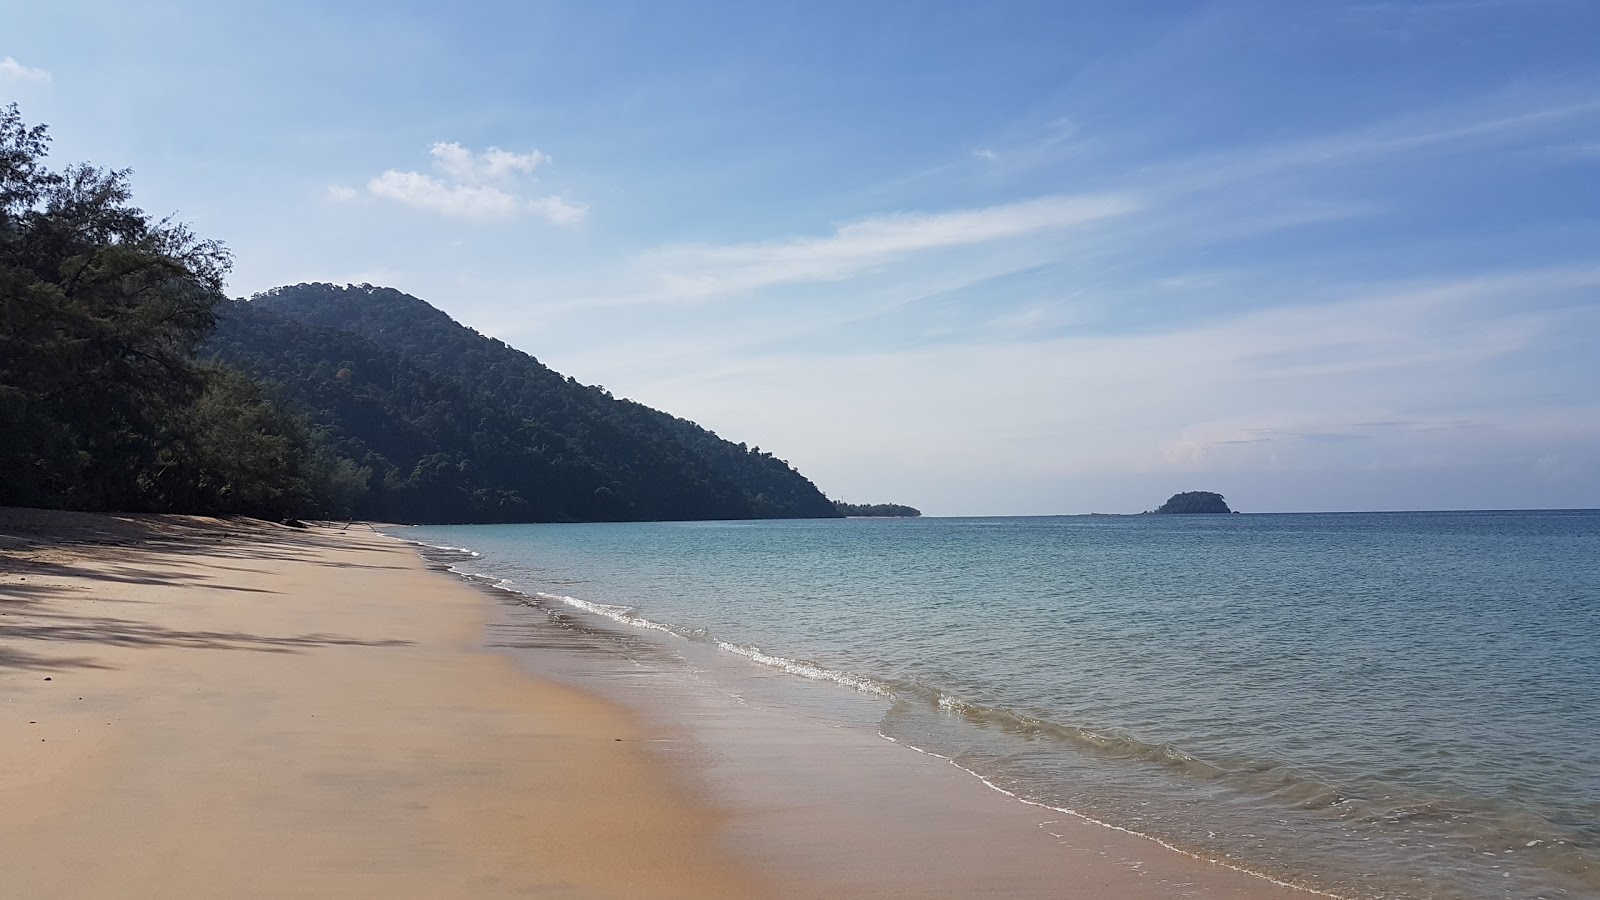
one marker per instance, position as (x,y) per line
(101,308)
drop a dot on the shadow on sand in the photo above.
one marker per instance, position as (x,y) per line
(40,547)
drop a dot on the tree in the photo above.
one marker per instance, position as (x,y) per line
(101,309)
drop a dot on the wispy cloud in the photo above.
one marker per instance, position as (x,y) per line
(1014,155)
(1379,143)
(486,185)
(1447,7)
(1384,375)
(1183,203)
(696,271)
(558,210)
(11,70)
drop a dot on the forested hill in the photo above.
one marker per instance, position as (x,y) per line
(454,426)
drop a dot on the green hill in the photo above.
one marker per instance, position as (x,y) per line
(453,426)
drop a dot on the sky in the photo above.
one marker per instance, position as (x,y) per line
(983,259)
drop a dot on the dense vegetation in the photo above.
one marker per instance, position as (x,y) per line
(1194,502)
(128,381)
(102,403)
(453,426)
(878,510)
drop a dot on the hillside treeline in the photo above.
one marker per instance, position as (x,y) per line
(454,426)
(129,381)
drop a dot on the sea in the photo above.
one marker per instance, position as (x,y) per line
(1375,705)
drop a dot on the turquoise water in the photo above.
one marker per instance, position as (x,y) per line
(1378,705)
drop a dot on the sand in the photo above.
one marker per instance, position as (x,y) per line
(198,708)
(191,708)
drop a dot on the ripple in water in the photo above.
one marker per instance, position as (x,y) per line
(1376,705)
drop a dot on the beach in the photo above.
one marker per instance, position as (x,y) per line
(194,708)
(197,707)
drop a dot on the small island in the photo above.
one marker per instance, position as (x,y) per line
(877,510)
(1192,502)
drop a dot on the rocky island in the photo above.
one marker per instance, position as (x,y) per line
(1190,502)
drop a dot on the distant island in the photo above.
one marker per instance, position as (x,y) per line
(877,510)
(1191,502)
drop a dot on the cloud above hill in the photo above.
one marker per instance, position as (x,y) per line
(468,184)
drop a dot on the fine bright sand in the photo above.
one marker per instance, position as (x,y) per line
(200,708)
(192,708)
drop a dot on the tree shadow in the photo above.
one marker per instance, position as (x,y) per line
(101,570)
(130,549)
(20,595)
(11,658)
(119,548)
(118,632)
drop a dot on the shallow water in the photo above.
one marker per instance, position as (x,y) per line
(1377,705)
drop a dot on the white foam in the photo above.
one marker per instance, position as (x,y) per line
(954,704)
(626,615)
(808,670)
(468,551)
(1067,811)
(622,614)
(472,553)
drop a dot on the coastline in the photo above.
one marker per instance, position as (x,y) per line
(826,806)
(271,712)
(197,707)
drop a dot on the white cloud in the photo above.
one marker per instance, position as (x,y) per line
(494,164)
(559,210)
(12,70)
(339,193)
(473,185)
(703,270)
(427,192)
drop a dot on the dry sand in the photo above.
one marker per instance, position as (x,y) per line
(192,708)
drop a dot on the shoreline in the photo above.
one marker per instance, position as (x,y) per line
(270,711)
(834,807)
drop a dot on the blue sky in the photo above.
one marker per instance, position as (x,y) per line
(981,258)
